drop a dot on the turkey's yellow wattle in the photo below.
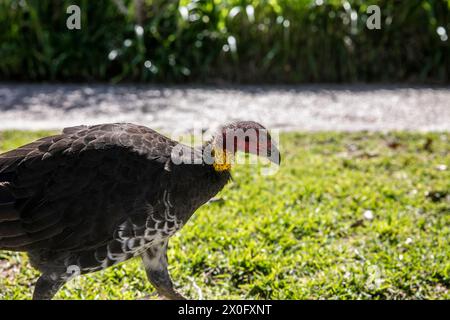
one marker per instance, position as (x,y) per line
(222,160)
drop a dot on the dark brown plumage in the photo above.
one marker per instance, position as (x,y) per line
(92,197)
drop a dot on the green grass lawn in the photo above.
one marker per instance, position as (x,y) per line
(347,216)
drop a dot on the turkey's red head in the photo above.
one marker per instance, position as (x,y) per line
(249,137)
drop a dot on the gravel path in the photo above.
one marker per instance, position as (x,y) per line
(179,108)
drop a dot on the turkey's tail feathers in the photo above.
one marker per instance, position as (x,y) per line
(10,224)
(8,211)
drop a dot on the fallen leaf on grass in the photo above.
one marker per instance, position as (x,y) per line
(436,195)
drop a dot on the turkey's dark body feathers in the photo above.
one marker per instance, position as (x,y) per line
(95,196)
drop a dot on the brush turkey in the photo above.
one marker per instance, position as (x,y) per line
(94,196)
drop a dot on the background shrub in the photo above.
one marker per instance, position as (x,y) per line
(242,41)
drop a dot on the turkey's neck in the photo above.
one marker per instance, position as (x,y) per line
(223,159)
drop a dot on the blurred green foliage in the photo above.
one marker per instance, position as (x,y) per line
(271,41)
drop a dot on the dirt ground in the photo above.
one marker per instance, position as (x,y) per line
(179,108)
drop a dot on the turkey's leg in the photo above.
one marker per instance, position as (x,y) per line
(155,263)
(46,287)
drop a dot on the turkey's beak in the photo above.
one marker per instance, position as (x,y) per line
(265,147)
(273,154)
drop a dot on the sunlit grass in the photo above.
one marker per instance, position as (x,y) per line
(348,215)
